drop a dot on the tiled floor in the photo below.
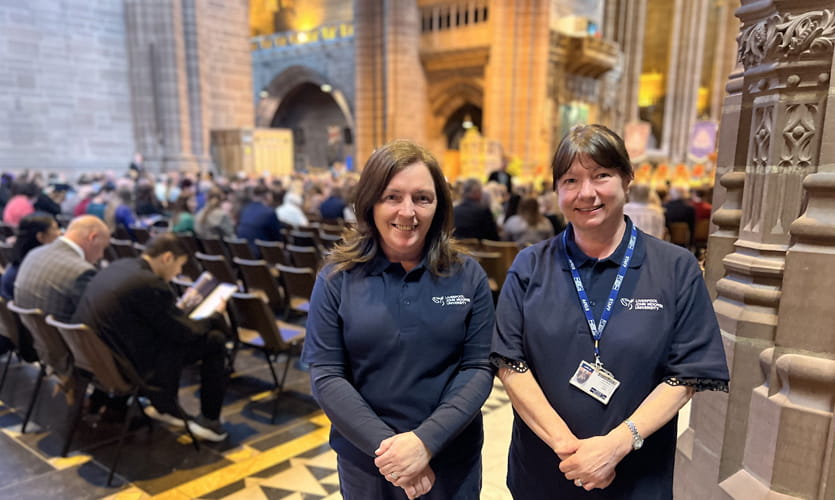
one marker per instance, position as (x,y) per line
(288,459)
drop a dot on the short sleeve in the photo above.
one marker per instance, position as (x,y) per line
(696,356)
(508,343)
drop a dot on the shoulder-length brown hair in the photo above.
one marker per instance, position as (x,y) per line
(597,142)
(361,243)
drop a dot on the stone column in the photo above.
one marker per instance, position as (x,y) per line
(515,105)
(774,303)
(623,23)
(370,77)
(684,74)
(182,82)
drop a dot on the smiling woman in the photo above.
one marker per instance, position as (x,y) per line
(613,428)
(398,337)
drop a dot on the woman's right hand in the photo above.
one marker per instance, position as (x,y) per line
(421,485)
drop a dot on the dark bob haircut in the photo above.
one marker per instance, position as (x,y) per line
(595,142)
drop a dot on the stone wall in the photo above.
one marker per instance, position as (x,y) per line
(64,93)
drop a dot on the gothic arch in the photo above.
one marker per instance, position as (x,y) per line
(286,82)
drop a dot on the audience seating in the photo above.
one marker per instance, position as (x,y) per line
(301,238)
(12,329)
(273,252)
(213,246)
(298,287)
(333,229)
(508,249)
(140,234)
(218,266)
(304,256)
(99,365)
(472,244)
(680,234)
(51,349)
(493,265)
(258,328)
(123,248)
(239,247)
(5,253)
(257,277)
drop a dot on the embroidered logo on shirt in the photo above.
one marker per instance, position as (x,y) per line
(641,304)
(451,300)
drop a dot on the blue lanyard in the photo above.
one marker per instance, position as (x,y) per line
(597,329)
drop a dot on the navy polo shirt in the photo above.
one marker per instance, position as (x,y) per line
(662,327)
(413,348)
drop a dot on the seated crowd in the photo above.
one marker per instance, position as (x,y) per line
(61,274)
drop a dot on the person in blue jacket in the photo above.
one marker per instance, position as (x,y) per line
(398,339)
(603,333)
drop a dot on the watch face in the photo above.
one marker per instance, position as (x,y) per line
(637,443)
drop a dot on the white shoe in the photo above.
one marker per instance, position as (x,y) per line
(166,418)
(210,430)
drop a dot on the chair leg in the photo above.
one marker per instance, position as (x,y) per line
(188,429)
(125,428)
(284,375)
(79,405)
(41,376)
(6,369)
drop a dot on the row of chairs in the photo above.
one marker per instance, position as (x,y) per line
(94,363)
(494,256)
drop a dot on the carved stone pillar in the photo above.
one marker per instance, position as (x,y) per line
(623,23)
(370,77)
(774,304)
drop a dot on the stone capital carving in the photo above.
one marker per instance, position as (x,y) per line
(784,36)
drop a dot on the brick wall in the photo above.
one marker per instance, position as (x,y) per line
(64,93)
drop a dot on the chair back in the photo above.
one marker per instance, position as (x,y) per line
(48,343)
(123,248)
(90,353)
(218,266)
(298,281)
(273,252)
(701,232)
(257,276)
(302,238)
(304,256)
(213,246)
(6,231)
(8,324)
(680,234)
(140,234)
(493,265)
(328,241)
(508,249)
(239,248)
(254,314)
(332,229)
(189,241)
(472,244)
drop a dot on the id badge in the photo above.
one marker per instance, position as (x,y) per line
(595,381)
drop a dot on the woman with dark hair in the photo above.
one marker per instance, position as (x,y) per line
(528,226)
(182,210)
(34,230)
(398,337)
(577,422)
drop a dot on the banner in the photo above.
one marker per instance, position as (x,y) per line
(702,140)
(636,139)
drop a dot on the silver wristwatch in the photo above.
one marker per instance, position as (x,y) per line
(637,440)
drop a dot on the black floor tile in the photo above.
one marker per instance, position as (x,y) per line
(226,490)
(86,481)
(283,436)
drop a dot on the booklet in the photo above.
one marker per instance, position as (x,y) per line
(204,296)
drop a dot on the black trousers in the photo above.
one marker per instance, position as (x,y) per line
(210,350)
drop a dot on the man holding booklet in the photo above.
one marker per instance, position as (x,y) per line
(131,305)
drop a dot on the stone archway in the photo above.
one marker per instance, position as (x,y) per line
(446,100)
(315,109)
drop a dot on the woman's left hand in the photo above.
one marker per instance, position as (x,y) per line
(401,457)
(595,459)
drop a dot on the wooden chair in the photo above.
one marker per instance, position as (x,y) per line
(239,247)
(298,287)
(701,233)
(98,365)
(332,229)
(189,241)
(20,338)
(304,256)
(328,241)
(140,234)
(257,328)
(213,246)
(471,244)
(680,234)
(301,238)
(257,277)
(493,265)
(218,266)
(51,349)
(273,252)
(123,248)
(508,249)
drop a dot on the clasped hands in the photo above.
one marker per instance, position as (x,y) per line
(590,463)
(403,460)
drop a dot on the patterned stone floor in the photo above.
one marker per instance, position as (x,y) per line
(288,459)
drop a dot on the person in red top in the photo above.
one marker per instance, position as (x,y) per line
(22,202)
(702,208)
